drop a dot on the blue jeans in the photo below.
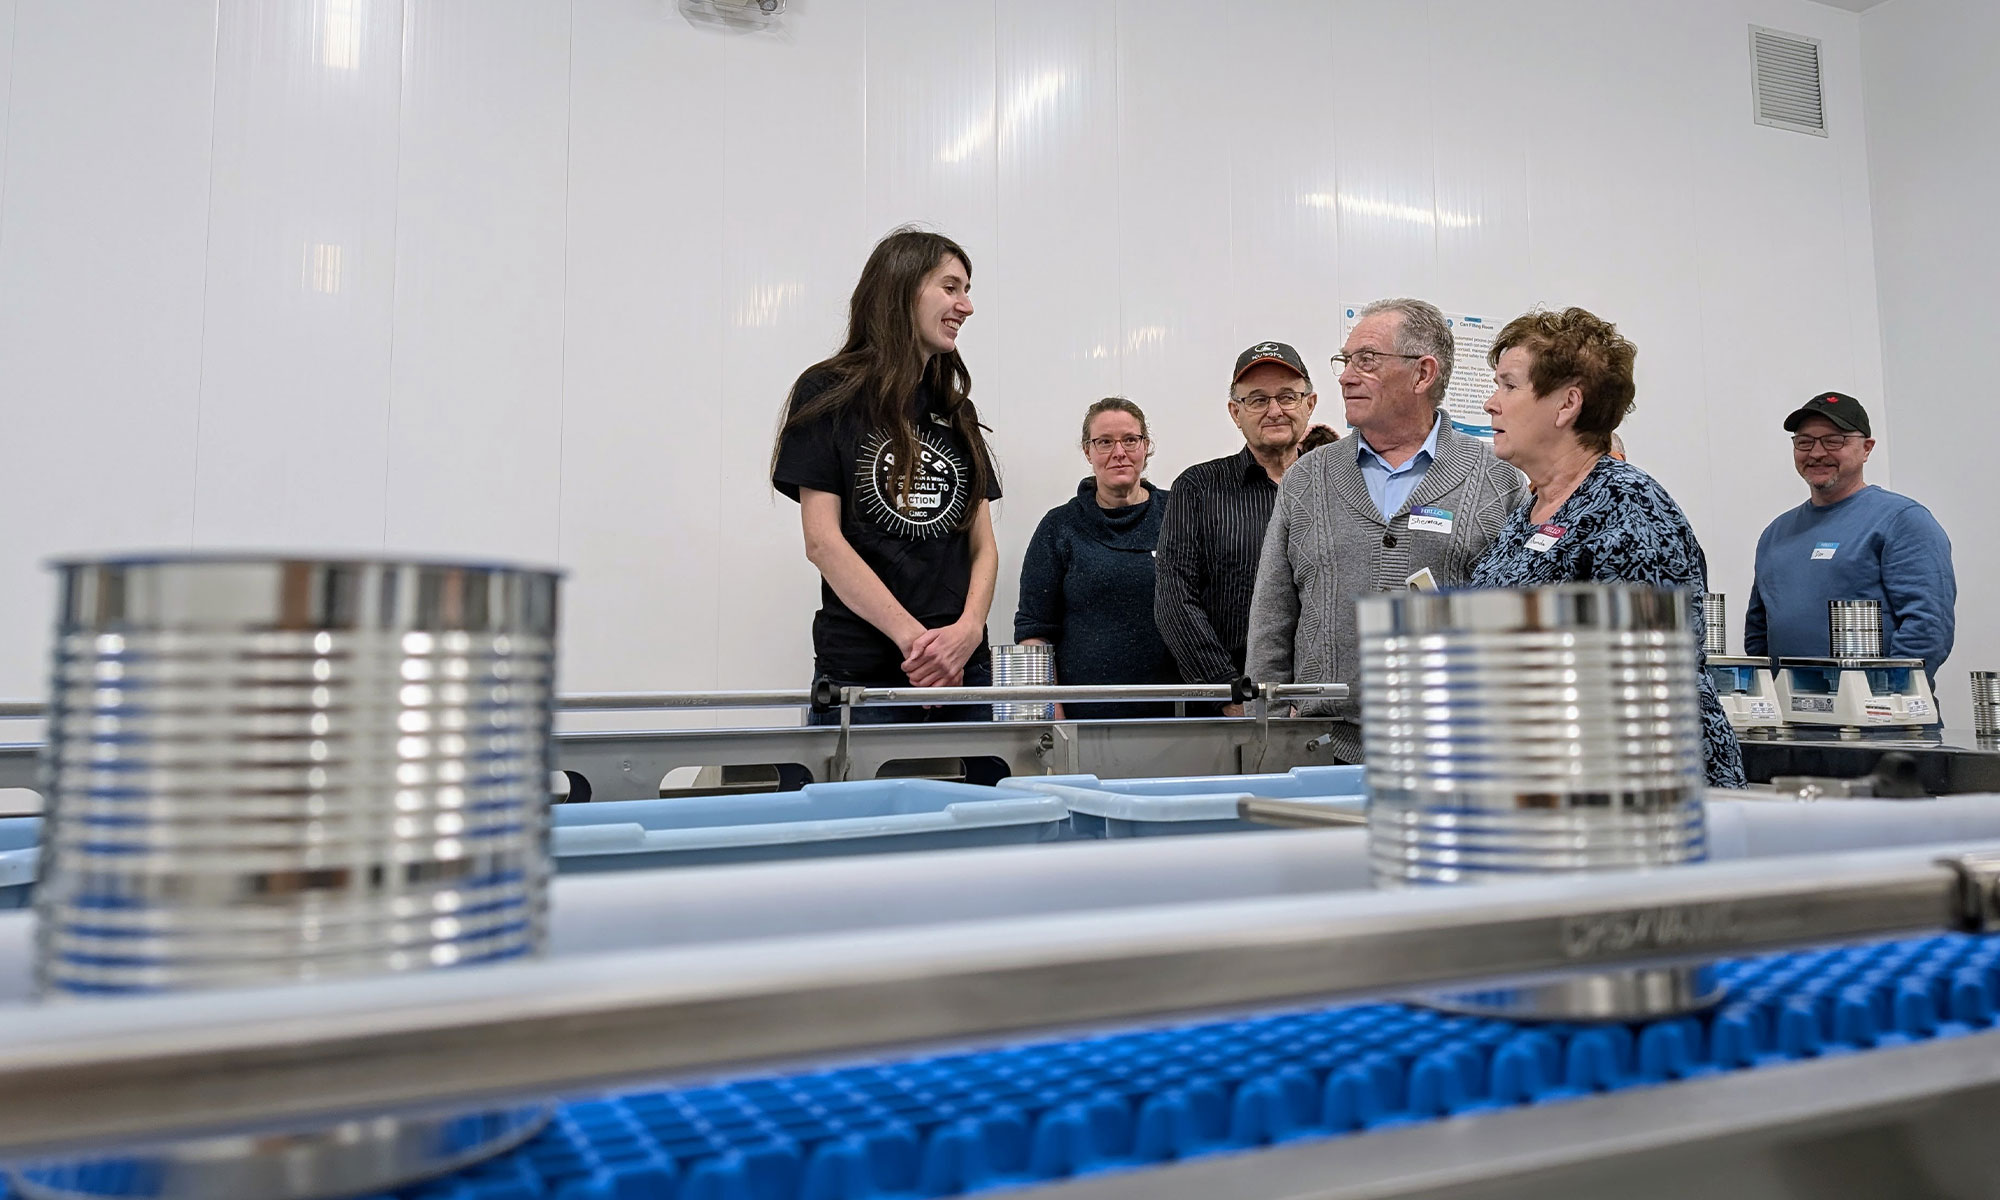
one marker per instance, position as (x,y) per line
(978,673)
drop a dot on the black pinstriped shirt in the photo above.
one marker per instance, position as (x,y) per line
(1206,564)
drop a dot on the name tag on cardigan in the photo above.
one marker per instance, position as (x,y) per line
(1430,520)
(1825,550)
(1545,537)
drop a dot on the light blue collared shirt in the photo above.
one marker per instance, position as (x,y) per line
(1390,487)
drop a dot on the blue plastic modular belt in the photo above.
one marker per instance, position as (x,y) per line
(1026,1114)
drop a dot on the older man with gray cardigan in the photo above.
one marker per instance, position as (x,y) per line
(1366,514)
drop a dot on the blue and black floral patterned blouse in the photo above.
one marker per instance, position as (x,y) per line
(1620,526)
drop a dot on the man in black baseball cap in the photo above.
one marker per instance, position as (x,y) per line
(1839,409)
(1213,530)
(1850,540)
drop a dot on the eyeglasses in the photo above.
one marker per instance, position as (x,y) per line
(1368,361)
(1829,442)
(1287,400)
(1130,443)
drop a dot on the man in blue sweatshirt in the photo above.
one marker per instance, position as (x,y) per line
(1850,540)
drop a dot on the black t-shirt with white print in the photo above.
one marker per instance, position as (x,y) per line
(915,547)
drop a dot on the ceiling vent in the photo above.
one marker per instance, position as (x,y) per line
(1787,81)
(740,14)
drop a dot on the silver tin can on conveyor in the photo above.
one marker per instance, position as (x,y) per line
(264,771)
(1545,731)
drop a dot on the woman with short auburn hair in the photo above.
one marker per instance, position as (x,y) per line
(1562,383)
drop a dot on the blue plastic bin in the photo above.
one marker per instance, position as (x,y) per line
(20,853)
(1122,808)
(819,820)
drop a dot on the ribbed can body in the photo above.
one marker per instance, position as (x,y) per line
(1715,612)
(1854,628)
(1986,703)
(271,771)
(1032,665)
(1533,732)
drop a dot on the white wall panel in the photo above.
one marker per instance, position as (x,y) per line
(1385,173)
(929,121)
(643,409)
(1931,94)
(795,235)
(300,274)
(6,77)
(1480,104)
(1053,291)
(1785,309)
(1284,219)
(1180,144)
(532,277)
(475,417)
(101,249)
(1611,161)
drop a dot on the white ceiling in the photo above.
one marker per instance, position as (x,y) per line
(1853,5)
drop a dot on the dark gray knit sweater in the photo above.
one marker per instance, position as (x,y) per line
(1327,546)
(1087,586)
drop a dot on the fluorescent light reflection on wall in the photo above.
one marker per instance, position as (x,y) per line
(1369,206)
(765,303)
(320,270)
(1029,99)
(1136,339)
(337,28)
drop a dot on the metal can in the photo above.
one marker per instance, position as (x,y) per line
(265,771)
(1029,665)
(1543,731)
(1854,628)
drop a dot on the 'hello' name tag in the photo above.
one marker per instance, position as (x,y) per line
(1824,550)
(1544,537)
(1430,520)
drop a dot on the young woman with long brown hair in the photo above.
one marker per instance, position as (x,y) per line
(883,450)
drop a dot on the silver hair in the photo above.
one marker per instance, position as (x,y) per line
(1424,331)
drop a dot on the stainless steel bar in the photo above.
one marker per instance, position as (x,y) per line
(872,697)
(1295,814)
(21,708)
(634,701)
(77,1076)
(630,765)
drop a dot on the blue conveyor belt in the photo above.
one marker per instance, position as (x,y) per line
(948,1125)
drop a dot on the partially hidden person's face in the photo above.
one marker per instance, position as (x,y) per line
(1258,404)
(1524,424)
(1117,449)
(1377,384)
(1828,457)
(944,301)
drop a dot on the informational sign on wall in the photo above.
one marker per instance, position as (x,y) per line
(1471,376)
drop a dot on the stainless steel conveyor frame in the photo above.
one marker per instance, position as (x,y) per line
(629,765)
(91,1075)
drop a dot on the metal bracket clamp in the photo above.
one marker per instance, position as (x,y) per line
(1976,900)
(1057,748)
(843,757)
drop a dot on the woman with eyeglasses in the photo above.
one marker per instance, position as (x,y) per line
(883,450)
(1562,382)
(1087,578)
